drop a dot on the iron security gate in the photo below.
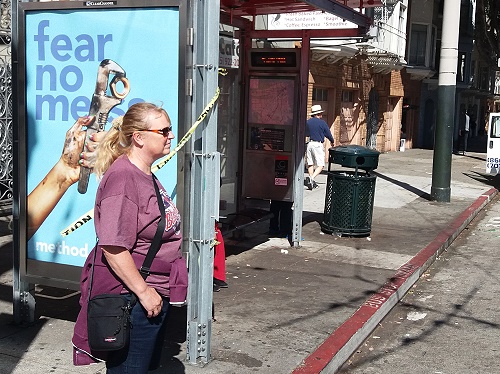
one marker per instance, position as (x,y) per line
(372,121)
(6,159)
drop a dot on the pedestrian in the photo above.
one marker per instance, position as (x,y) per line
(219,261)
(463,131)
(126,216)
(317,130)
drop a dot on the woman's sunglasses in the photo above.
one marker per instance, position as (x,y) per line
(164,131)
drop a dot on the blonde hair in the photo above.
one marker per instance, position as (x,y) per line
(118,140)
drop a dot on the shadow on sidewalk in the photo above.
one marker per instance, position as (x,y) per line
(15,339)
(308,217)
(488,179)
(404,185)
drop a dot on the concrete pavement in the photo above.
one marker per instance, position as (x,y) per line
(287,310)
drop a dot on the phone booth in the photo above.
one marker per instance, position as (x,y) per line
(493,148)
(271,123)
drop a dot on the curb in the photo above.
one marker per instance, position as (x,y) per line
(343,342)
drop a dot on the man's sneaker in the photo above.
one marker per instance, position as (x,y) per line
(314,185)
(308,183)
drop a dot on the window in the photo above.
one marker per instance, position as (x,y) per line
(472,78)
(347,96)
(497,83)
(418,44)
(495,127)
(484,77)
(320,94)
(433,48)
(461,67)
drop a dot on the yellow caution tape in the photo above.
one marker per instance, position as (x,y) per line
(188,135)
(78,223)
(90,214)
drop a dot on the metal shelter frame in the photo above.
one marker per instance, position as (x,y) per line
(201,176)
(202,161)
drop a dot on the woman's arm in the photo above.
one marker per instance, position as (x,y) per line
(121,262)
(45,196)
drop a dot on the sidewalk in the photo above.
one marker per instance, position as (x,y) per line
(287,309)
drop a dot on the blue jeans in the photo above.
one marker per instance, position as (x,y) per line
(146,343)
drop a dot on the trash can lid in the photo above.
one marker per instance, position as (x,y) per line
(357,150)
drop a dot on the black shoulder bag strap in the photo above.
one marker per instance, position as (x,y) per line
(155,244)
(153,249)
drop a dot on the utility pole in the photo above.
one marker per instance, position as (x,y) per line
(443,139)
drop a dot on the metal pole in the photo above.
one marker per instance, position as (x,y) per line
(298,186)
(204,179)
(23,299)
(443,141)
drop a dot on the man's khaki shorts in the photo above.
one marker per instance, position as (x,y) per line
(315,154)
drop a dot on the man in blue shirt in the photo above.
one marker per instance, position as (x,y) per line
(317,130)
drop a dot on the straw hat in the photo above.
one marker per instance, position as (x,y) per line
(316,109)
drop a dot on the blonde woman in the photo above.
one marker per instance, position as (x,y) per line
(126,215)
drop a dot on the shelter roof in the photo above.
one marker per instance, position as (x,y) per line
(343,8)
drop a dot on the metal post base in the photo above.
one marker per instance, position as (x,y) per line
(441,194)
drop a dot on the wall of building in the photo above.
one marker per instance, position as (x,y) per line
(411,110)
(427,115)
(423,12)
(354,79)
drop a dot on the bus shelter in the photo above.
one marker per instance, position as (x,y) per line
(273,144)
(56,85)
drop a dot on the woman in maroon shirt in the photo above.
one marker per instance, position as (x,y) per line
(126,216)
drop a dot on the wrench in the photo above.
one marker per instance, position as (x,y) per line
(101,105)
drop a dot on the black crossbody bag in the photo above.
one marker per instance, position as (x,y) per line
(108,315)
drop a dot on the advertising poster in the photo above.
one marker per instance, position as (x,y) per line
(63,51)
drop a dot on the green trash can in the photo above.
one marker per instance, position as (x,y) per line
(350,194)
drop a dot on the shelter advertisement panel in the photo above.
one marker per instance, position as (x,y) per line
(62,52)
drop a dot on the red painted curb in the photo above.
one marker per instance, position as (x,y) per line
(408,273)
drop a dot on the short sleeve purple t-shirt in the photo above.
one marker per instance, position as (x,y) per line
(126,214)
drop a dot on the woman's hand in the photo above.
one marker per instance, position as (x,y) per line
(69,165)
(88,157)
(121,262)
(151,301)
(72,156)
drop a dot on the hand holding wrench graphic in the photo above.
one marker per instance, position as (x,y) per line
(102,104)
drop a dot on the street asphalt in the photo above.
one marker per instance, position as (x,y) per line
(287,310)
(449,321)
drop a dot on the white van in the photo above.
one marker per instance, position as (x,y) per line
(493,147)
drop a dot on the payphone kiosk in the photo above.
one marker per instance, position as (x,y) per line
(493,147)
(271,123)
